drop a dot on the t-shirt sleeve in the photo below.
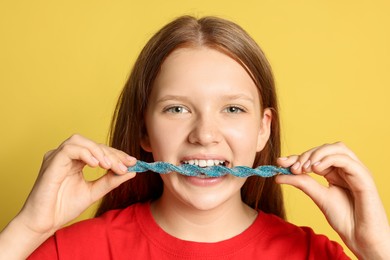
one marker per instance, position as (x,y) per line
(48,250)
(323,248)
(87,239)
(299,242)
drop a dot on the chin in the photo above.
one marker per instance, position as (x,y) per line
(207,202)
(195,194)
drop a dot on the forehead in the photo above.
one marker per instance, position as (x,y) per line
(203,69)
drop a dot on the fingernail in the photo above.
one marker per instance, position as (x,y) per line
(107,161)
(316,163)
(296,166)
(283,158)
(122,167)
(307,164)
(95,161)
(130,158)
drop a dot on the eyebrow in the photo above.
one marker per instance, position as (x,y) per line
(237,96)
(222,97)
(172,98)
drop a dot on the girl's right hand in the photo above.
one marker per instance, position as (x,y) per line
(61,192)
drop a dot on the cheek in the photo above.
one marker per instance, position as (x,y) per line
(242,139)
(242,132)
(165,138)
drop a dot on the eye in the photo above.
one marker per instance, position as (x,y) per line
(234,109)
(176,110)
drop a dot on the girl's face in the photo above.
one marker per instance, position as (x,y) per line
(204,109)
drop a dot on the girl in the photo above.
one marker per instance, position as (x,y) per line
(201,92)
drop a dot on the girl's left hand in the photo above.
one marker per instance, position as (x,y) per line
(350,203)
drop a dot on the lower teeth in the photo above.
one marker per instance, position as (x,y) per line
(203,176)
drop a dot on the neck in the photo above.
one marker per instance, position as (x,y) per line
(211,225)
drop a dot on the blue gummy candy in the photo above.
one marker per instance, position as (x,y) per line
(213,171)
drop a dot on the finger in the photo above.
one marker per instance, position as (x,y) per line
(120,161)
(68,160)
(108,182)
(297,164)
(307,184)
(287,161)
(67,153)
(47,158)
(304,162)
(330,149)
(356,175)
(108,158)
(306,159)
(94,148)
(48,155)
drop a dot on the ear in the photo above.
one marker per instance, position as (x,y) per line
(264,130)
(145,143)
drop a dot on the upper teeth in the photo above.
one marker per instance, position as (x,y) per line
(204,163)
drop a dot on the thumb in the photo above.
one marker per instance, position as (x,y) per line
(108,182)
(308,185)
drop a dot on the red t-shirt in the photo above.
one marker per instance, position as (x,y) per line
(132,233)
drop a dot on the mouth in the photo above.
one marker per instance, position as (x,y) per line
(206,163)
(202,163)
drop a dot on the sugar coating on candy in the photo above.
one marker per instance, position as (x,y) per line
(213,171)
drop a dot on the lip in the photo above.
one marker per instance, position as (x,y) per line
(204,182)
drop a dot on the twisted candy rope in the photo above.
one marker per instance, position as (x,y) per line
(213,171)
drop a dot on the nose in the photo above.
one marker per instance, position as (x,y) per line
(205,131)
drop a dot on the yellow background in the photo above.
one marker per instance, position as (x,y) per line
(63,64)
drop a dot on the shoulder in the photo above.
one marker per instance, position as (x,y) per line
(94,237)
(112,222)
(295,239)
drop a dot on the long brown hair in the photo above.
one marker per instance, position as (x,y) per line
(128,126)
